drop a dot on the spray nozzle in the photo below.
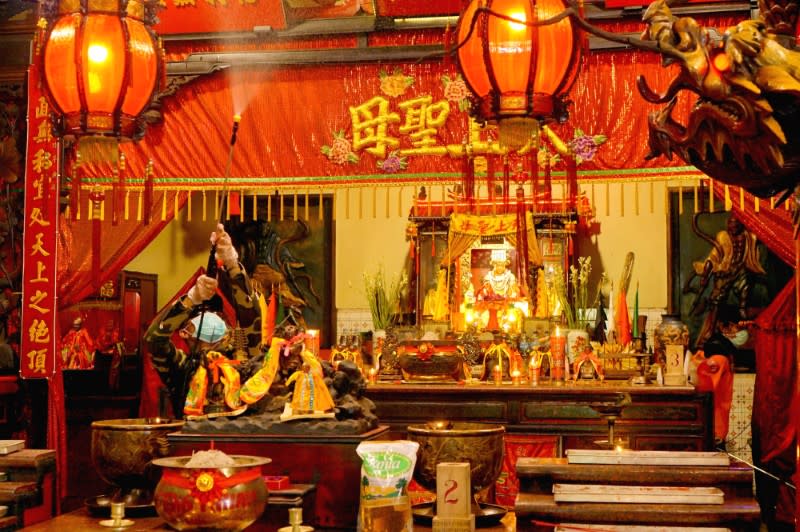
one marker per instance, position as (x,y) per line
(236,120)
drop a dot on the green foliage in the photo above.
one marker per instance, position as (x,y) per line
(383,298)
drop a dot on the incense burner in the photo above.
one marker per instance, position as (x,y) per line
(479,444)
(121,453)
(430,361)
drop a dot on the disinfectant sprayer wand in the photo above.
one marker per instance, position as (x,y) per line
(211,267)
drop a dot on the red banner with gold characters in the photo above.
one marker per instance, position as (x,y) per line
(38,341)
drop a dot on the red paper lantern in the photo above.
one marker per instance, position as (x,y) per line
(101,64)
(518,71)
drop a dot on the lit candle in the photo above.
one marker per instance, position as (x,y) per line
(373,375)
(515,377)
(498,375)
(312,341)
(533,372)
(557,344)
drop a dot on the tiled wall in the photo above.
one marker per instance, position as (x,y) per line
(739,438)
(355,320)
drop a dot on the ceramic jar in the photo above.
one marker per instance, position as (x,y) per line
(577,340)
(670,344)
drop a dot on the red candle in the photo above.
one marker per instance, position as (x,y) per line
(557,345)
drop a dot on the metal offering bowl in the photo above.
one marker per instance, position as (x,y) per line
(211,498)
(479,444)
(122,450)
(430,361)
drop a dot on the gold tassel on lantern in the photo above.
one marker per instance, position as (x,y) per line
(96,196)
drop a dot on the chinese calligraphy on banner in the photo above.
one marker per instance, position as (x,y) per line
(38,341)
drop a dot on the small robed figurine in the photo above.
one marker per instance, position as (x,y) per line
(77,347)
(310,397)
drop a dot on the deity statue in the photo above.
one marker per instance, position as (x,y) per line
(500,283)
(729,268)
(497,295)
(77,347)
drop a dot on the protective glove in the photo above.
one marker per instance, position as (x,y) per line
(225,250)
(203,289)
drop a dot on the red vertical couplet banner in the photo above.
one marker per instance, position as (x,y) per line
(38,342)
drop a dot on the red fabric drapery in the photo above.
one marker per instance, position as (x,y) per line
(292,114)
(775,402)
(119,245)
(772,226)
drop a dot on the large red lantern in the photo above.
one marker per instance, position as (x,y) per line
(518,68)
(101,64)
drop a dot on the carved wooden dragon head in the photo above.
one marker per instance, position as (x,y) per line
(744,128)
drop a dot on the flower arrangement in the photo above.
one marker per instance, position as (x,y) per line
(383,298)
(573,295)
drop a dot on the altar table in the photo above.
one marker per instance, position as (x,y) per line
(81,520)
(676,418)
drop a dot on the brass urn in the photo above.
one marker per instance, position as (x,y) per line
(122,450)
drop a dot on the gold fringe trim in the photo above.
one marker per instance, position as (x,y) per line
(438,201)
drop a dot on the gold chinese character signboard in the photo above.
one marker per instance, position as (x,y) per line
(38,331)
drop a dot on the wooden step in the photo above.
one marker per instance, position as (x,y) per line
(28,464)
(663,458)
(537,475)
(583,527)
(637,494)
(8,523)
(18,492)
(738,514)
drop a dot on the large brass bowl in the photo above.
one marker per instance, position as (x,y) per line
(479,444)
(211,498)
(122,450)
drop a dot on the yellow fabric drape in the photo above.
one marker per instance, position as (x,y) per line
(466,228)
(458,244)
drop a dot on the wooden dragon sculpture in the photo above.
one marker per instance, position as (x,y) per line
(744,128)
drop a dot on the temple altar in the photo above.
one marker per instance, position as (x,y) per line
(658,417)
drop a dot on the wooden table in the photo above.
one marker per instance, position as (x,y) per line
(675,418)
(81,520)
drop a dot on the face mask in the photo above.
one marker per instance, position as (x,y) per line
(740,338)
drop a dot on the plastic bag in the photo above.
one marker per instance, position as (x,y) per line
(386,471)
